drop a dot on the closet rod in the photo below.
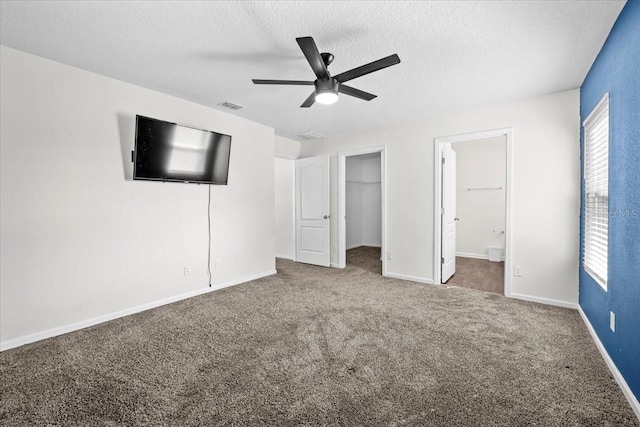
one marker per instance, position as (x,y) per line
(484,188)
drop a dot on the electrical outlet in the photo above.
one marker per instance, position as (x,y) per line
(517,270)
(389,255)
(187,270)
(612,321)
(216,264)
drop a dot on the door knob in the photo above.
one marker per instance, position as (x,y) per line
(326,216)
(456,219)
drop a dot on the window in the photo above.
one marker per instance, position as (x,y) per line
(596,192)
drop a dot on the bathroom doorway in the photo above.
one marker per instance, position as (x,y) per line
(480,214)
(472,211)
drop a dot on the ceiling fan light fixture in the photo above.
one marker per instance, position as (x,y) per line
(326,97)
(326,90)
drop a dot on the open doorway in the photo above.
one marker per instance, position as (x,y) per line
(480,215)
(361,216)
(472,187)
(363,198)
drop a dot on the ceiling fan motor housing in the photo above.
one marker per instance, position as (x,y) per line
(327,85)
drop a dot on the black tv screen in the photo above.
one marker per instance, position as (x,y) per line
(170,152)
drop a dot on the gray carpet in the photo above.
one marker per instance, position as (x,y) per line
(365,258)
(317,346)
(480,274)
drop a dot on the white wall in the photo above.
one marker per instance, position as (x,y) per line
(353,200)
(287,148)
(286,151)
(363,201)
(284,190)
(545,189)
(480,164)
(371,201)
(80,239)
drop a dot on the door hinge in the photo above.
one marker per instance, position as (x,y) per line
(441,211)
(443,161)
(441,260)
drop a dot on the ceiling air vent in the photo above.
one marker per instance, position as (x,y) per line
(230,105)
(311,135)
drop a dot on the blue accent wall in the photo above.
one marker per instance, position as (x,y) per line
(617,70)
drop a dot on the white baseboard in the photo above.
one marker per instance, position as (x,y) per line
(541,300)
(289,257)
(363,245)
(633,401)
(27,339)
(409,278)
(470,255)
(475,256)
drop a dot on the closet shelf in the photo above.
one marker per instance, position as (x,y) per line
(362,182)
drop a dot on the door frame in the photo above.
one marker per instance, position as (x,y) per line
(437,202)
(449,155)
(342,198)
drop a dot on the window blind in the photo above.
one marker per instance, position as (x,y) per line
(596,189)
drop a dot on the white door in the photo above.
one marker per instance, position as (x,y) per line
(448,212)
(312,211)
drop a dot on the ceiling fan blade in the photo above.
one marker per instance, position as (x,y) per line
(309,101)
(282,82)
(368,68)
(348,90)
(310,51)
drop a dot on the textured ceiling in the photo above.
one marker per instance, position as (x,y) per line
(454,54)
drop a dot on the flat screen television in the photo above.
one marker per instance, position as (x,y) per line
(171,152)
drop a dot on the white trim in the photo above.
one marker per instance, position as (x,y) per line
(335,265)
(437,202)
(27,339)
(596,109)
(293,207)
(285,257)
(342,224)
(342,210)
(633,401)
(474,256)
(363,245)
(410,278)
(548,301)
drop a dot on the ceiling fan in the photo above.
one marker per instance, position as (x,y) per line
(327,87)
